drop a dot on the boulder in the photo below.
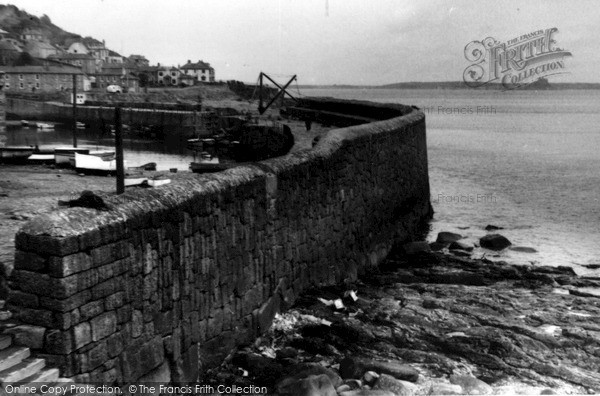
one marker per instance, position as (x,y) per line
(353,367)
(417,247)
(445,389)
(447,237)
(388,383)
(494,242)
(299,371)
(436,246)
(460,245)
(313,385)
(471,385)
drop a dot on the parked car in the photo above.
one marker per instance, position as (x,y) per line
(114,89)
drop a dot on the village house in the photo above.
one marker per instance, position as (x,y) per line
(201,70)
(40,49)
(139,60)
(89,46)
(86,62)
(114,57)
(32,35)
(115,74)
(149,73)
(8,53)
(168,76)
(47,77)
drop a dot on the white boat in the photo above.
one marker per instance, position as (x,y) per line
(63,155)
(158,182)
(103,154)
(44,125)
(135,181)
(41,158)
(92,163)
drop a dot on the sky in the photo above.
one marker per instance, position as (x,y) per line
(362,42)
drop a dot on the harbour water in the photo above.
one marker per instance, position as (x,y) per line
(168,153)
(528,161)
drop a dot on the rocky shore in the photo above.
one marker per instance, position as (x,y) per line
(430,323)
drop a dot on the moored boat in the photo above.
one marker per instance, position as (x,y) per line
(208,165)
(41,158)
(44,125)
(63,155)
(94,164)
(150,166)
(102,154)
(16,153)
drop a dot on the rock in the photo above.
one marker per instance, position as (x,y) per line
(417,247)
(436,246)
(353,383)
(313,385)
(460,245)
(397,387)
(491,227)
(471,385)
(547,392)
(494,242)
(523,249)
(461,253)
(299,371)
(286,353)
(258,366)
(370,377)
(445,389)
(351,367)
(447,237)
(343,388)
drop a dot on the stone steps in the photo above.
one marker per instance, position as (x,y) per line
(17,368)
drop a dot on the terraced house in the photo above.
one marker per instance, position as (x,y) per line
(43,78)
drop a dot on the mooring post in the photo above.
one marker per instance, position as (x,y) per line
(74,110)
(119,151)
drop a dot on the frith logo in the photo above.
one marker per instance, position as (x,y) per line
(515,63)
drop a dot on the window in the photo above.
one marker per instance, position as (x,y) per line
(6,77)
(37,85)
(160,73)
(7,85)
(173,74)
(37,76)
(20,76)
(21,85)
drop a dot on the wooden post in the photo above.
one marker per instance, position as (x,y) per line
(119,151)
(74,110)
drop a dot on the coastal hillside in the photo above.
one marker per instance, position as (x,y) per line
(16,22)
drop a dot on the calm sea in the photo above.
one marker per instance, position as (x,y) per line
(528,161)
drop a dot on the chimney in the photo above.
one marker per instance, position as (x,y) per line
(189,61)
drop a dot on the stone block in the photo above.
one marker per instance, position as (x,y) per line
(114,301)
(91,309)
(29,261)
(82,335)
(39,317)
(151,355)
(115,344)
(22,299)
(93,358)
(103,325)
(69,265)
(58,342)
(66,304)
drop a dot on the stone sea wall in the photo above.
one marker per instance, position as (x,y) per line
(167,280)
